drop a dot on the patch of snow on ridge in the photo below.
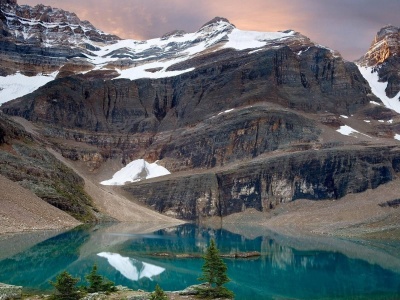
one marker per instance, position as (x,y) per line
(375,103)
(397,137)
(225,111)
(136,170)
(378,88)
(18,85)
(140,71)
(302,51)
(241,40)
(347,130)
(254,51)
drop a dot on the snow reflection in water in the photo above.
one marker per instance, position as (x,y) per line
(131,268)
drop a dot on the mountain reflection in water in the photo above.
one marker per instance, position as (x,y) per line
(288,267)
(131,268)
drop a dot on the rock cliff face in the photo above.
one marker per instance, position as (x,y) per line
(265,183)
(164,118)
(384,55)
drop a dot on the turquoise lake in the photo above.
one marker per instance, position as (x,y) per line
(288,268)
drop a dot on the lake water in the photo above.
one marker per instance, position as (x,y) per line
(288,268)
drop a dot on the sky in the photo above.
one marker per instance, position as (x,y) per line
(348,26)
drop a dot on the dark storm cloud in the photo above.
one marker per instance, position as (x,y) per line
(345,25)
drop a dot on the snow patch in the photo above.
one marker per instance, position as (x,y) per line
(241,40)
(18,85)
(345,117)
(142,71)
(254,51)
(367,121)
(136,170)
(397,137)
(378,88)
(375,103)
(302,51)
(226,111)
(347,130)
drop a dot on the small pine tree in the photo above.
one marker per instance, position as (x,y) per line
(66,288)
(158,294)
(214,274)
(97,282)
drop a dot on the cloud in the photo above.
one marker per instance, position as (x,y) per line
(345,25)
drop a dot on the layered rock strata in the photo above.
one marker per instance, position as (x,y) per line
(149,117)
(263,184)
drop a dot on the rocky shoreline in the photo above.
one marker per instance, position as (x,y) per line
(8,292)
(11,292)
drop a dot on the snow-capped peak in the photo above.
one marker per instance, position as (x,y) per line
(217,21)
(50,27)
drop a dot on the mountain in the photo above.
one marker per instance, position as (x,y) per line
(242,119)
(40,39)
(383,59)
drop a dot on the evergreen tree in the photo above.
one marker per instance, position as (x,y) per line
(97,282)
(158,294)
(214,274)
(66,288)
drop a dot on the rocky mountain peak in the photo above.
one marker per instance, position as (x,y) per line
(218,24)
(11,2)
(217,20)
(383,57)
(174,33)
(385,31)
(385,44)
(48,26)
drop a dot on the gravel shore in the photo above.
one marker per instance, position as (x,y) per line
(21,210)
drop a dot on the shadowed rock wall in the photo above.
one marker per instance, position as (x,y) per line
(265,183)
